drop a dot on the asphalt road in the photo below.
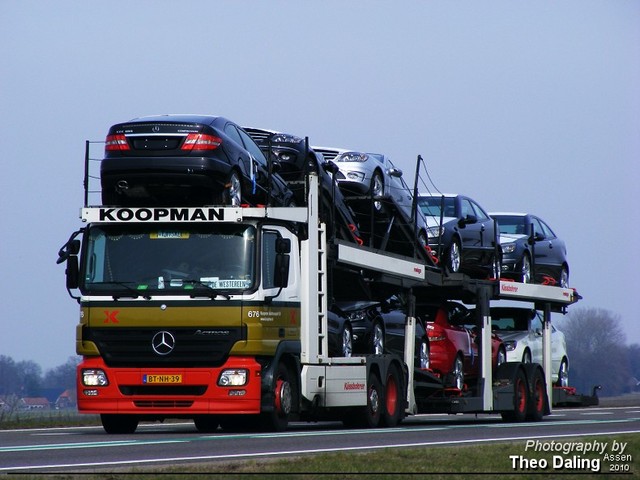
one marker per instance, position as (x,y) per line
(78,449)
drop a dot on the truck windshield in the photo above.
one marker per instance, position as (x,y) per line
(189,259)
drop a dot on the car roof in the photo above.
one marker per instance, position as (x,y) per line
(451,195)
(179,117)
(334,149)
(512,214)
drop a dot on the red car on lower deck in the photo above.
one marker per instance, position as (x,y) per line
(454,342)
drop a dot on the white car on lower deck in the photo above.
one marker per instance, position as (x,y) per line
(521,331)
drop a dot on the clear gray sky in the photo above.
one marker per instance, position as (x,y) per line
(526,106)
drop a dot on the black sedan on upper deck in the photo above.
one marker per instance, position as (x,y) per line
(531,251)
(187,160)
(462,233)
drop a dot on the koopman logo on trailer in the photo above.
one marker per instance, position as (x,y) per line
(191,214)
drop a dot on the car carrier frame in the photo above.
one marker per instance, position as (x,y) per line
(374,390)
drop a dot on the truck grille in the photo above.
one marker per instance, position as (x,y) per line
(192,347)
(163,403)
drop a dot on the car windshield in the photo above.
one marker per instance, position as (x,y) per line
(166,260)
(432,206)
(511,224)
(511,322)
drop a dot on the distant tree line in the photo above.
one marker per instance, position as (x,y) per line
(26,378)
(596,344)
(598,352)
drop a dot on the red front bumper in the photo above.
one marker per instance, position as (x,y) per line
(195,390)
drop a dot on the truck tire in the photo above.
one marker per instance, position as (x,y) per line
(284,395)
(538,397)
(520,399)
(119,424)
(206,423)
(370,415)
(393,398)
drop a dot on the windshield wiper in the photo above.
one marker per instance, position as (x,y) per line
(134,292)
(214,292)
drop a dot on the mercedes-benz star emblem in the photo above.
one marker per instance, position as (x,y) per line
(163,343)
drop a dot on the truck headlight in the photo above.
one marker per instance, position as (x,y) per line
(233,378)
(94,378)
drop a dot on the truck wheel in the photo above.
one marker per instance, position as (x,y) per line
(113,423)
(393,398)
(370,416)
(537,401)
(239,423)
(520,399)
(206,423)
(283,389)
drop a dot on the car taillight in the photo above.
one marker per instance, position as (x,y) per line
(435,333)
(201,141)
(116,142)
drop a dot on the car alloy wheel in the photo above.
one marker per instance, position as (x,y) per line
(377,190)
(347,341)
(563,374)
(234,190)
(457,373)
(454,257)
(423,355)
(564,278)
(377,339)
(525,270)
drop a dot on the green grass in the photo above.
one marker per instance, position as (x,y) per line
(485,461)
(11,419)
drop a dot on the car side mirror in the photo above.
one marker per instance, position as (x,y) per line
(394,172)
(468,220)
(276,166)
(330,167)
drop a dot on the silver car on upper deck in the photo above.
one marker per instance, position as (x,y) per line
(372,179)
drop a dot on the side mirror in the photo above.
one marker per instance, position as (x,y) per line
(394,172)
(283,245)
(281,273)
(330,167)
(69,249)
(468,220)
(72,272)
